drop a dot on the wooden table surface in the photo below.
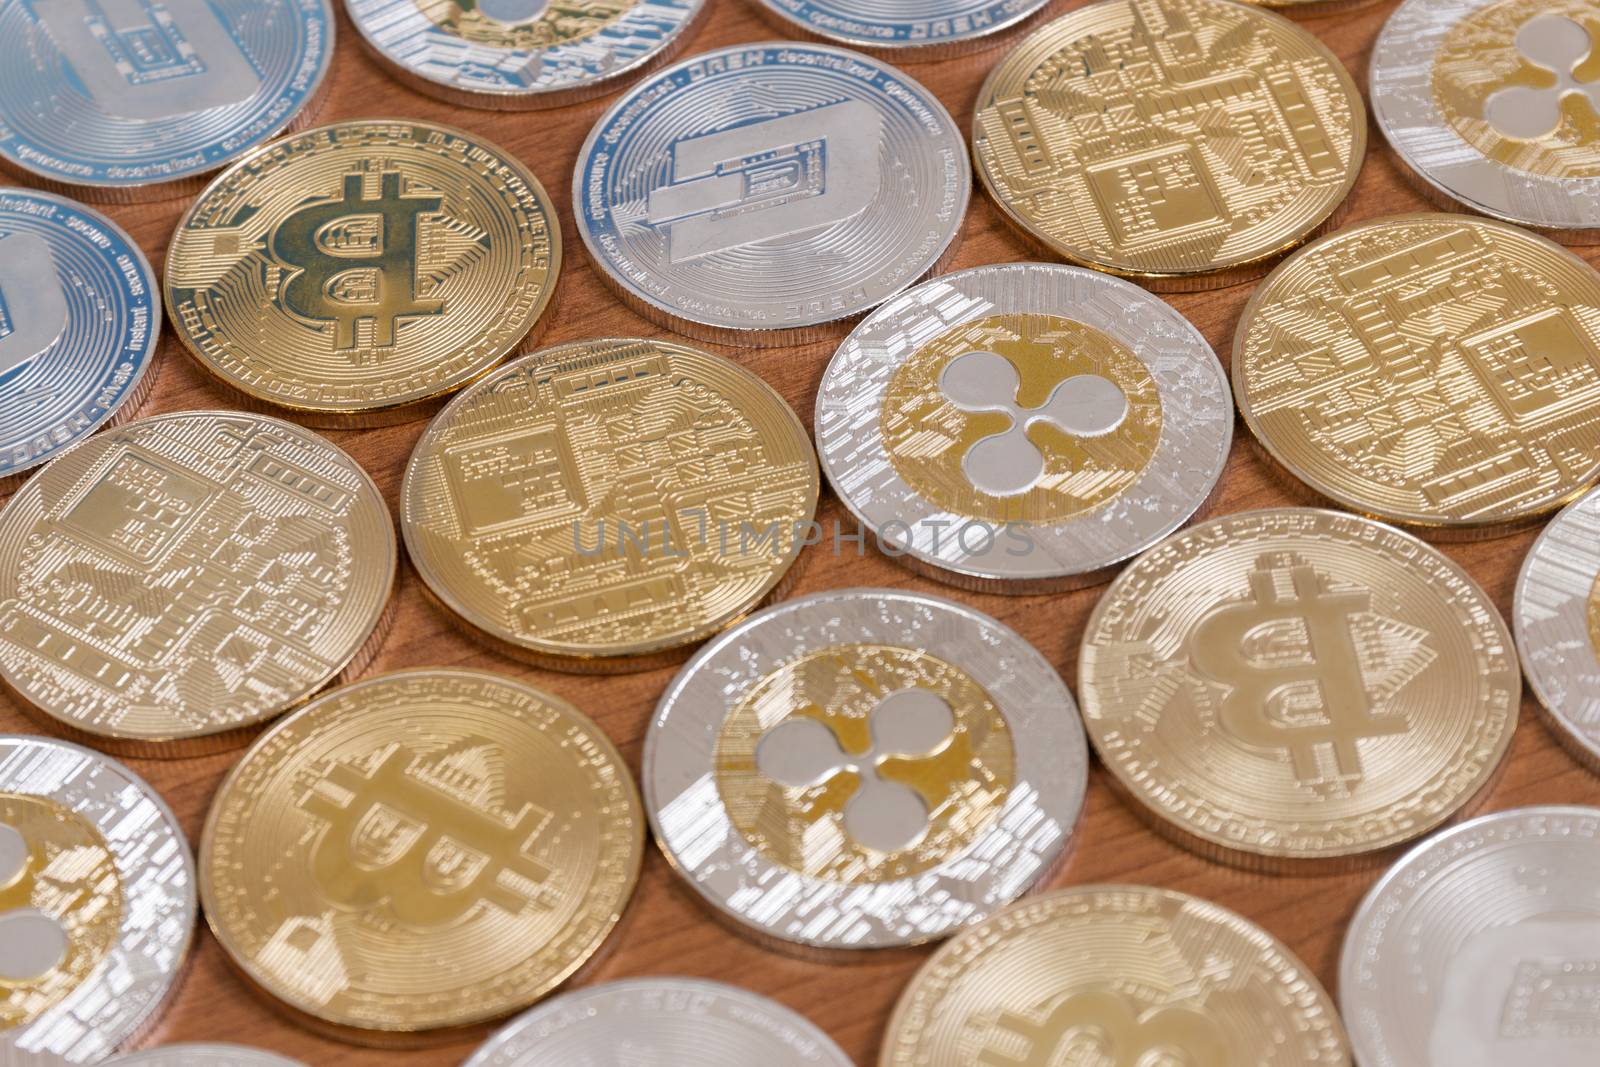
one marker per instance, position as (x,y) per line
(668,931)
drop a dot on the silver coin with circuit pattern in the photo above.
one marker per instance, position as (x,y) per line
(864,768)
(97,903)
(1481,948)
(198,1055)
(1024,426)
(1495,105)
(905,30)
(660,1022)
(764,194)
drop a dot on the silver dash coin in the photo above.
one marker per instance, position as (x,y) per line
(1023,427)
(905,30)
(1481,948)
(518,54)
(204,1055)
(79,318)
(864,768)
(765,194)
(1556,617)
(130,99)
(97,903)
(1493,105)
(660,1022)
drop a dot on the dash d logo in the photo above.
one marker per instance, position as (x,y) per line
(33,309)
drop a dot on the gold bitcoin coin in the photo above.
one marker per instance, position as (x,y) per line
(1115,976)
(1437,371)
(605,504)
(1311,8)
(419,851)
(175,582)
(357,274)
(1184,143)
(1298,687)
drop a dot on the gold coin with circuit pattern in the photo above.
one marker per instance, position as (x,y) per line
(1298,687)
(1437,371)
(604,504)
(1120,976)
(177,581)
(1184,143)
(419,851)
(357,274)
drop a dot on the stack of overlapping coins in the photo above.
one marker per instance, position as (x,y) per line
(845,721)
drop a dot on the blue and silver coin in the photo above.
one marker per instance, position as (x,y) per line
(906,29)
(765,194)
(514,54)
(79,317)
(135,99)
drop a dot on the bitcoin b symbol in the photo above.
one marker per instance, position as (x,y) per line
(355,260)
(412,836)
(1294,675)
(1106,1022)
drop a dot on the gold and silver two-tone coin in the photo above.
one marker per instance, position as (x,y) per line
(864,768)
(520,54)
(204,1055)
(602,505)
(97,904)
(1115,974)
(1441,372)
(179,580)
(420,851)
(1556,618)
(660,1022)
(1495,105)
(766,194)
(1181,143)
(357,274)
(1295,688)
(1024,426)
(1481,948)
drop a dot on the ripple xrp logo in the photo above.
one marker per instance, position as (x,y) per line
(1555,44)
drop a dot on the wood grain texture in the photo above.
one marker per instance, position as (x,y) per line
(667,931)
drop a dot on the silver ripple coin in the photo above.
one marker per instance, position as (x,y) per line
(133,99)
(1493,105)
(97,903)
(864,768)
(907,30)
(660,1022)
(515,54)
(1023,427)
(202,1055)
(1556,617)
(763,194)
(1481,948)
(79,318)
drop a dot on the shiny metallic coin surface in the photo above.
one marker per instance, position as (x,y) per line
(1556,618)
(864,768)
(97,903)
(1437,371)
(764,194)
(1311,8)
(421,850)
(604,504)
(183,578)
(1183,143)
(1480,948)
(1296,686)
(1115,974)
(514,54)
(359,273)
(1495,105)
(122,100)
(660,1022)
(1023,426)
(79,319)
(205,1055)
(905,30)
